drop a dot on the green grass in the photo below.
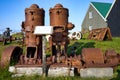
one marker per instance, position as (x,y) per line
(79,44)
(103,45)
(18,35)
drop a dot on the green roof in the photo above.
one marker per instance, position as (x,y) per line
(103,8)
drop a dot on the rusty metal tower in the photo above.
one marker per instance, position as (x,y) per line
(59,20)
(34,16)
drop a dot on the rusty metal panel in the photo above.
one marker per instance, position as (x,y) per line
(100,34)
(111,57)
(92,56)
(58,37)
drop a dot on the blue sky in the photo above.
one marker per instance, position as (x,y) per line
(12,11)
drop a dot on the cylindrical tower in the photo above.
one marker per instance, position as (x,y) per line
(58,15)
(34,16)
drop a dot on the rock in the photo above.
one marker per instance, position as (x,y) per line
(25,70)
(11,69)
(29,70)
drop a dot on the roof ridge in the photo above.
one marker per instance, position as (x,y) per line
(101,2)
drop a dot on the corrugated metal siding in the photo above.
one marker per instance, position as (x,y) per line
(114,19)
(97,21)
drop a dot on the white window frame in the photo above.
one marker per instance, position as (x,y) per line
(90,15)
(90,28)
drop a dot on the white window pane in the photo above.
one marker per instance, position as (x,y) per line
(90,28)
(90,15)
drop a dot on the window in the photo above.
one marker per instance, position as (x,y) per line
(90,28)
(90,15)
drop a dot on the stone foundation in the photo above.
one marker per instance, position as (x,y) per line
(96,72)
(61,71)
(52,71)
